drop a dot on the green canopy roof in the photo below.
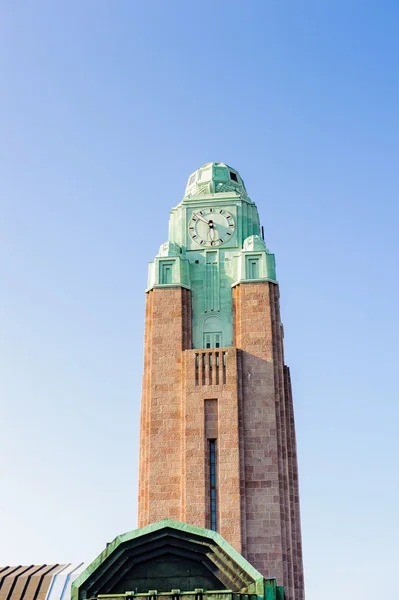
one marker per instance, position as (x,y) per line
(166,556)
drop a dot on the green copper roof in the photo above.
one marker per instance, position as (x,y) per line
(168,543)
(240,570)
(214,178)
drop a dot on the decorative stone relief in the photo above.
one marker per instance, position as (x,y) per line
(169,249)
(254,243)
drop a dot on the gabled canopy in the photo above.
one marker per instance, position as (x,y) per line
(164,556)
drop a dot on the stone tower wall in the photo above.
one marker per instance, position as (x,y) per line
(254,337)
(239,396)
(167,334)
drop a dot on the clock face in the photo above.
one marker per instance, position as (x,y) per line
(211,226)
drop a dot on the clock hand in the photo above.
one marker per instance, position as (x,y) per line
(201,218)
(211,231)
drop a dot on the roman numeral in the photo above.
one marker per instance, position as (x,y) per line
(191,227)
(221,241)
(228,232)
(201,241)
(231,225)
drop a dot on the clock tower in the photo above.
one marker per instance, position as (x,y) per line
(217,442)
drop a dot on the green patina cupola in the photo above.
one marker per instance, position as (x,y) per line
(214,243)
(214,178)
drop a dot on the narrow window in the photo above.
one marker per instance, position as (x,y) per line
(224,366)
(196,369)
(207,339)
(212,481)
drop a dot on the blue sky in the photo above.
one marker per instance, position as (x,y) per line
(105,109)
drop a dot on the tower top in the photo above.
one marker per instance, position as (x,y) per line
(213,178)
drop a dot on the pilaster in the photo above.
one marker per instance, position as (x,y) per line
(270,482)
(168,333)
(254,339)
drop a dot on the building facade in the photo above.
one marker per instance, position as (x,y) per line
(217,446)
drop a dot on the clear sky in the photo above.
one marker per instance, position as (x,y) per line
(106,107)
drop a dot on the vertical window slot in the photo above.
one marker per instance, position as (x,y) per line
(196,369)
(207,340)
(217,368)
(213,484)
(224,360)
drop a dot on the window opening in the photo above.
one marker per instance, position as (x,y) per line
(224,366)
(212,340)
(233,176)
(196,369)
(212,486)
